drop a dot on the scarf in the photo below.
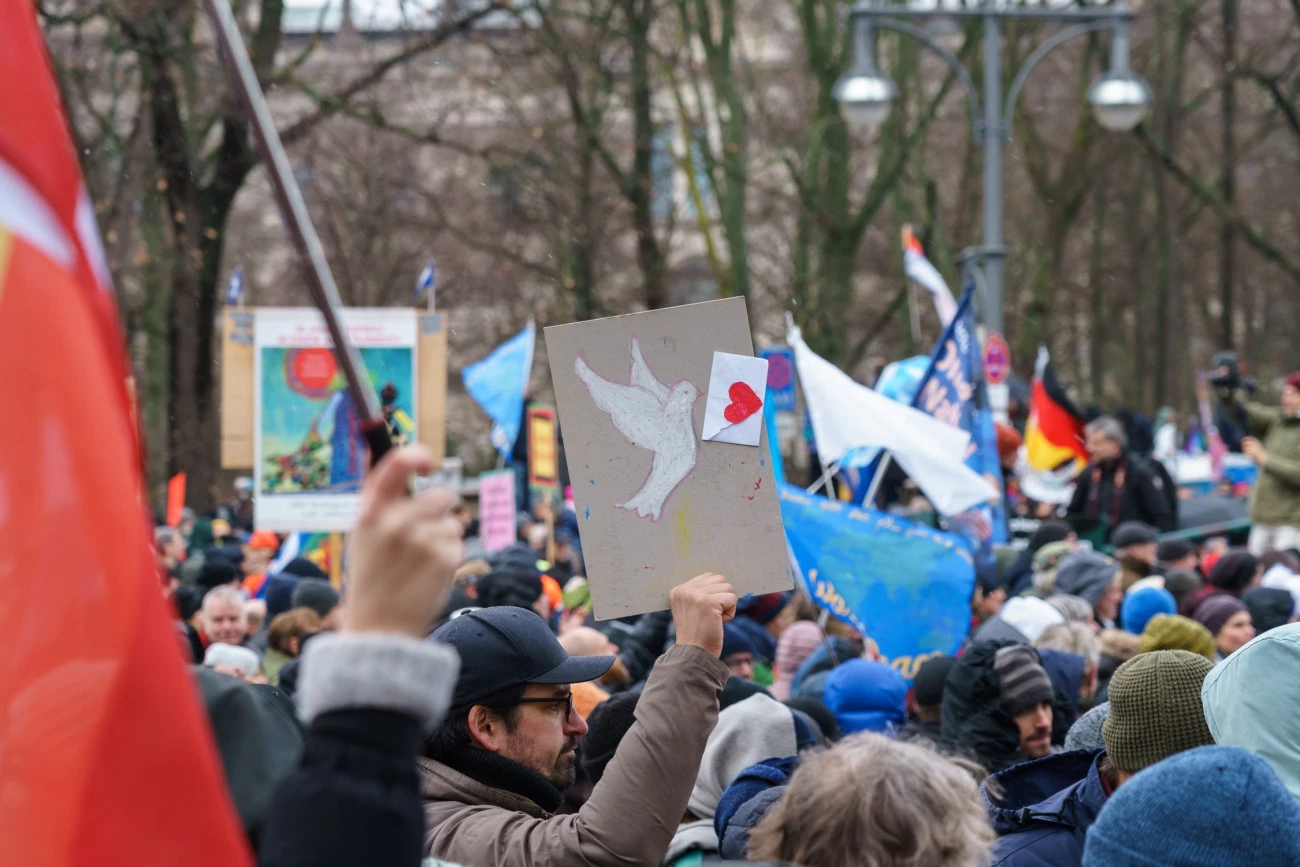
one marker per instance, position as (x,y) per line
(498,772)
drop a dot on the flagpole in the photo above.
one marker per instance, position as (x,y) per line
(886,458)
(293,211)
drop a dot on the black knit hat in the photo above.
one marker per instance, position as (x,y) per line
(930,678)
(216,571)
(818,712)
(516,587)
(1234,572)
(606,726)
(315,594)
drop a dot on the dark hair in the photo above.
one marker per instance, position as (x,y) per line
(452,735)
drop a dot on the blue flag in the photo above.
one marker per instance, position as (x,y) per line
(953,391)
(499,382)
(236,288)
(427,280)
(905,585)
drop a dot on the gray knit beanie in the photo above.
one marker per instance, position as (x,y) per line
(1085,734)
(1087,574)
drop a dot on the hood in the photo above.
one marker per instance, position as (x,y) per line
(972,715)
(1062,790)
(1066,671)
(1030,615)
(762,640)
(866,696)
(1245,706)
(758,728)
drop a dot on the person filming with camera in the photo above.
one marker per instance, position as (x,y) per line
(1273,443)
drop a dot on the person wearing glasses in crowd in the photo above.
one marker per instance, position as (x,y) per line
(494,772)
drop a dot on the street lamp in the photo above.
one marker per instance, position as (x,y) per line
(1119,99)
(864,93)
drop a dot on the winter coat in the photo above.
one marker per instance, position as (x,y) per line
(1143,498)
(634,809)
(747,800)
(1046,808)
(648,639)
(973,718)
(1275,502)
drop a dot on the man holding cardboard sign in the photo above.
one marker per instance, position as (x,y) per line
(495,770)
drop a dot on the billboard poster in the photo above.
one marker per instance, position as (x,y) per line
(309,455)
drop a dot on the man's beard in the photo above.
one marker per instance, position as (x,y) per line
(565,769)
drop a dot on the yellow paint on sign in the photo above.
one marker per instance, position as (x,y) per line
(682,526)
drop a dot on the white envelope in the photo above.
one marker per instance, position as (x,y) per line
(738,383)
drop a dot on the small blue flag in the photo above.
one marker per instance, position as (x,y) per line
(235,290)
(499,382)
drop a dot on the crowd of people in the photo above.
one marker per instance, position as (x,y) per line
(467,711)
(451,706)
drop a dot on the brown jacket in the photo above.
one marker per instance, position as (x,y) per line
(632,813)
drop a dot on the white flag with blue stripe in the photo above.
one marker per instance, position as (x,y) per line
(427,280)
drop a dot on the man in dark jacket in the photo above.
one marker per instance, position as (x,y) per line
(1116,487)
(997,704)
(1046,806)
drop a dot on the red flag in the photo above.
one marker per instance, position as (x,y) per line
(107,756)
(175,499)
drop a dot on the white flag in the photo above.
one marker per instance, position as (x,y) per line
(847,415)
(919,269)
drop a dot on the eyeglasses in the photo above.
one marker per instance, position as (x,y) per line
(566,700)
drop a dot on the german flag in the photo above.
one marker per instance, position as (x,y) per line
(1054,432)
(107,757)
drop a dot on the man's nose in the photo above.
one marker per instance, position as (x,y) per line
(574,725)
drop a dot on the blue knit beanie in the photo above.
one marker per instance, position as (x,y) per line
(1209,806)
(1141,605)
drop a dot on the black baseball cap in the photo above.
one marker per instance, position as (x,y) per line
(507,646)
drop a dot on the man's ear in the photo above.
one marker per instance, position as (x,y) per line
(486,730)
(294,647)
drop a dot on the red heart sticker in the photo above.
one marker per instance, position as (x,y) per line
(744,403)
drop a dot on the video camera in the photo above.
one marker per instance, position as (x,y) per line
(1225,370)
(1225,374)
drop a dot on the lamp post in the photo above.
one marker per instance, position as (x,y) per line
(1119,99)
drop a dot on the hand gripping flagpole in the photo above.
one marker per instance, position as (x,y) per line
(293,210)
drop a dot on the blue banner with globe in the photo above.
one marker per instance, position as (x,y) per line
(906,586)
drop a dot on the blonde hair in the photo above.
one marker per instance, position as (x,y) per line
(876,802)
(1072,637)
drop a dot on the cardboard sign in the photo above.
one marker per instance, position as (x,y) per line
(543,449)
(657,505)
(496,510)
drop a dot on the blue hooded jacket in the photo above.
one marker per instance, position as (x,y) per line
(1065,670)
(866,696)
(1046,808)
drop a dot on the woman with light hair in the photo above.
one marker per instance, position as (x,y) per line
(875,802)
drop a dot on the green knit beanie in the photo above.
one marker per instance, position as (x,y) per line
(1155,708)
(1175,632)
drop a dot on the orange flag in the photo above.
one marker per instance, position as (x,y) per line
(107,757)
(175,499)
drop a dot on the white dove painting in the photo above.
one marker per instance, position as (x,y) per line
(651,416)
